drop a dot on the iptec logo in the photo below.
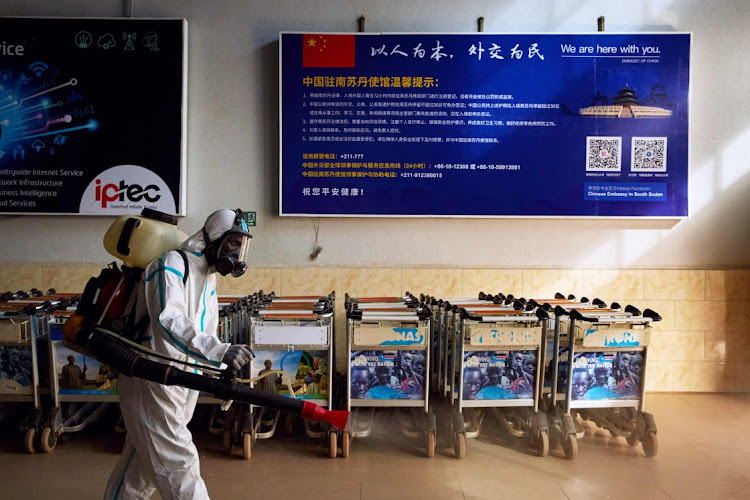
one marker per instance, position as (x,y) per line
(123,191)
(126,189)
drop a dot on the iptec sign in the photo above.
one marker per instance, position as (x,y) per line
(124,189)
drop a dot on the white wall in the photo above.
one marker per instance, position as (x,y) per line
(233,140)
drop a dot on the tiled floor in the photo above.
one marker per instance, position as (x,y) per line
(704,452)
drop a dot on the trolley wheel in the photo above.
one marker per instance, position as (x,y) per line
(333,448)
(554,437)
(247,445)
(28,441)
(542,444)
(345,443)
(227,440)
(289,424)
(632,439)
(459,444)
(48,440)
(570,446)
(650,444)
(430,444)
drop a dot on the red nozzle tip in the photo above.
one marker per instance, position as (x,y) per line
(312,411)
(337,418)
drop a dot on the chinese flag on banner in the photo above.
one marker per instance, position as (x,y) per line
(328,51)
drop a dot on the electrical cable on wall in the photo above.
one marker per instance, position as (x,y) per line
(317,247)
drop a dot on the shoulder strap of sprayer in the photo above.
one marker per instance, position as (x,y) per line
(187,266)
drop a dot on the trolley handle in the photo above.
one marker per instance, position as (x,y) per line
(464,314)
(649,313)
(574,314)
(541,313)
(560,311)
(632,310)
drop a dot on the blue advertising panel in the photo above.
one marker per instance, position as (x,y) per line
(498,375)
(571,125)
(92,115)
(387,375)
(602,375)
(306,371)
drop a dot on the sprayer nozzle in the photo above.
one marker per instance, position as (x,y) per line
(337,419)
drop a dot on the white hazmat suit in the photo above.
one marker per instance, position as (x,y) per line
(159,453)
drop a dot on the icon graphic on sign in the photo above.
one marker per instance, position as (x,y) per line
(18,151)
(38,145)
(23,79)
(5,75)
(75,96)
(250,218)
(83,39)
(151,41)
(106,41)
(60,139)
(38,68)
(129,39)
(2,153)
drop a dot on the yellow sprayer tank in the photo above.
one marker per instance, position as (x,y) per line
(139,239)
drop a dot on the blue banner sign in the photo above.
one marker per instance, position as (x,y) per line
(521,125)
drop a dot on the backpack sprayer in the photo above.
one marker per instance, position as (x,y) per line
(105,319)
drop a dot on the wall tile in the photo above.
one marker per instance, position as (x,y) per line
(254,280)
(701,315)
(705,376)
(14,278)
(309,281)
(742,376)
(544,283)
(738,316)
(676,346)
(727,346)
(370,282)
(70,278)
(436,282)
(674,285)
(492,281)
(716,346)
(662,342)
(660,376)
(728,285)
(606,284)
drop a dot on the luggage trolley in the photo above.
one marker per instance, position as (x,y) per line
(23,329)
(292,340)
(388,353)
(497,368)
(75,378)
(606,384)
(445,330)
(551,348)
(228,330)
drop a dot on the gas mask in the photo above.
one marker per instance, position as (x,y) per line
(228,253)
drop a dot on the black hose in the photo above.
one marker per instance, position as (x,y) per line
(120,356)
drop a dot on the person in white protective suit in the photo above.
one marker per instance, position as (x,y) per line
(178,291)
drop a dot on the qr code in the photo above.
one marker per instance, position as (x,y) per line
(649,154)
(603,154)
